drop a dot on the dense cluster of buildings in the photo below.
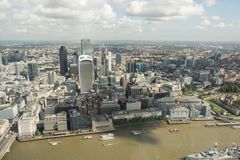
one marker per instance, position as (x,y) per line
(72,88)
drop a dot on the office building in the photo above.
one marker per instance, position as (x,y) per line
(8,111)
(32,70)
(63,60)
(4,59)
(133,67)
(118,58)
(133,105)
(52,77)
(4,125)
(86,47)
(1,62)
(55,122)
(86,71)
(27,125)
(106,63)
(108,107)
(179,113)
(19,67)
(74,69)
(76,120)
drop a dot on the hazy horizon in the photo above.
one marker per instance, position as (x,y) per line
(152,20)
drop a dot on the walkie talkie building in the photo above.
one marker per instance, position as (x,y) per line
(86,72)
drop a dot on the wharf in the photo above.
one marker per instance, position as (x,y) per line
(25,139)
(222,124)
(178,121)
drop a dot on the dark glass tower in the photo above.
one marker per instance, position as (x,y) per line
(32,70)
(63,60)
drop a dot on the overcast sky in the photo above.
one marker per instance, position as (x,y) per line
(208,20)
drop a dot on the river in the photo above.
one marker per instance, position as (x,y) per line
(155,143)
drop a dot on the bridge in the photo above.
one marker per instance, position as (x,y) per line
(6,142)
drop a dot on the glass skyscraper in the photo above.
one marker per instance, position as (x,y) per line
(86,47)
(63,60)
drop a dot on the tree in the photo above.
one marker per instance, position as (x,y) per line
(38,133)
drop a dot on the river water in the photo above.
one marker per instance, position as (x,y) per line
(156,142)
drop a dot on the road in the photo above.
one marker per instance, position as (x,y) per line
(6,143)
(8,138)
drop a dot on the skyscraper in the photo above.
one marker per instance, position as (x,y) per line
(19,67)
(106,63)
(32,70)
(52,77)
(86,70)
(4,60)
(86,47)
(63,60)
(1,63)
(118,58)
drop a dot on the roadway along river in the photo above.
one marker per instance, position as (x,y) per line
(155,143)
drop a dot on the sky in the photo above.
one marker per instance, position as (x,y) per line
(167,20)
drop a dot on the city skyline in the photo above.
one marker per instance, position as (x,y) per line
(187,20)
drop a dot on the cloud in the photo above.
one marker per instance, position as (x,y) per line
(4,4)
(210,3)
(161,10)
(22,30)
(2,17)
(212,22)
(61,19)
(60,15)
(216,18)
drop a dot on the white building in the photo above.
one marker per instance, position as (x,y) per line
(8,111)
(86,71)
(55,122)
(151,112)
(52,77)
(27,125)
(4,125)
(179,113)
(131,106)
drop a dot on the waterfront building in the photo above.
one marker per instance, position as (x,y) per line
(179,113)
(197,108)
(102,123)
(147,113)
(165,104)
(86,71)
(133,105)
(63,60)
(76,120)
(55,122)
(107,107)
(27,125)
